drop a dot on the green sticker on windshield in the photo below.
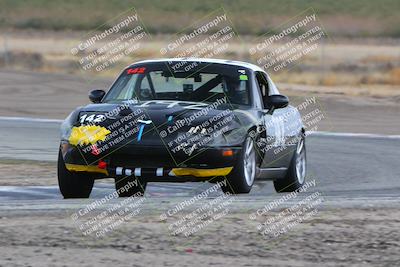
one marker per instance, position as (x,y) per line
(243,77)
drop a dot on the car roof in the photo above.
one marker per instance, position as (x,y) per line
(205,60)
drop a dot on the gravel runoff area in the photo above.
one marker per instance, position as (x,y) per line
(332,237)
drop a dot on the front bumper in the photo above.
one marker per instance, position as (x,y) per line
(153,163)
(153,174)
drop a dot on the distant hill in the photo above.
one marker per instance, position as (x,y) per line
(357,18)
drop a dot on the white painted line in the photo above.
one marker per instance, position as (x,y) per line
(26,119)
(318,133)
(362,135)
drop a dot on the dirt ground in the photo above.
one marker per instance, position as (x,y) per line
(333,237)
(25,173)
(28,173)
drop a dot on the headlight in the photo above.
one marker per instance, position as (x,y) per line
(228,136)
(67,125)
(235,136)
(217,140)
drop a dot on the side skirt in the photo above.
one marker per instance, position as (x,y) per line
(270,173)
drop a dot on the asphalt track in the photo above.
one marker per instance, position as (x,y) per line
(349,170)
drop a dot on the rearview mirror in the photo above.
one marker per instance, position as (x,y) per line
(96,95)
(276,101)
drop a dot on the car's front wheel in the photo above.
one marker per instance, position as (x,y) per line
(73,184)
(296,173)
(242,177)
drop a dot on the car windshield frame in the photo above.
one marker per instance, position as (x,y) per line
(234,81)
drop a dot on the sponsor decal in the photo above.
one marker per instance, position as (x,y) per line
(87,134)
(141,129)
(95,150)
(243,77)
(136,70)
(86,118)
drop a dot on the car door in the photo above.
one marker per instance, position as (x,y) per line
(277,149)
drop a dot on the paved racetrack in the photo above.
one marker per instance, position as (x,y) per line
(357,179)
(343,165)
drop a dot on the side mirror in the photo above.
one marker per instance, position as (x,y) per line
(96,95)
(276,101)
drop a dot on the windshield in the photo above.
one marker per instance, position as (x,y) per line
(182,81)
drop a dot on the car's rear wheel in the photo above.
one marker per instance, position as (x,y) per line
(73,184)
(242,177)
(296,173)
(130,186)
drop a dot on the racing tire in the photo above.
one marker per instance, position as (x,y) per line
(73,184)
(241,179)
(125,190)
(296,174)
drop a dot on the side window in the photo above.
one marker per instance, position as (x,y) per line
(128,87)
(144,92)
(145,83)
(273,90)
(262,84)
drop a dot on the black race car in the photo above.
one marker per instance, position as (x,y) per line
(179,120)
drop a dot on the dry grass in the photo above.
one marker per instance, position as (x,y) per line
(394,76)
(254,17)
(339,64)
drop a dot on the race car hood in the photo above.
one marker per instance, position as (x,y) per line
(164,123)
(169,112)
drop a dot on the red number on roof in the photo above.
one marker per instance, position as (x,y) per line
(136,70)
